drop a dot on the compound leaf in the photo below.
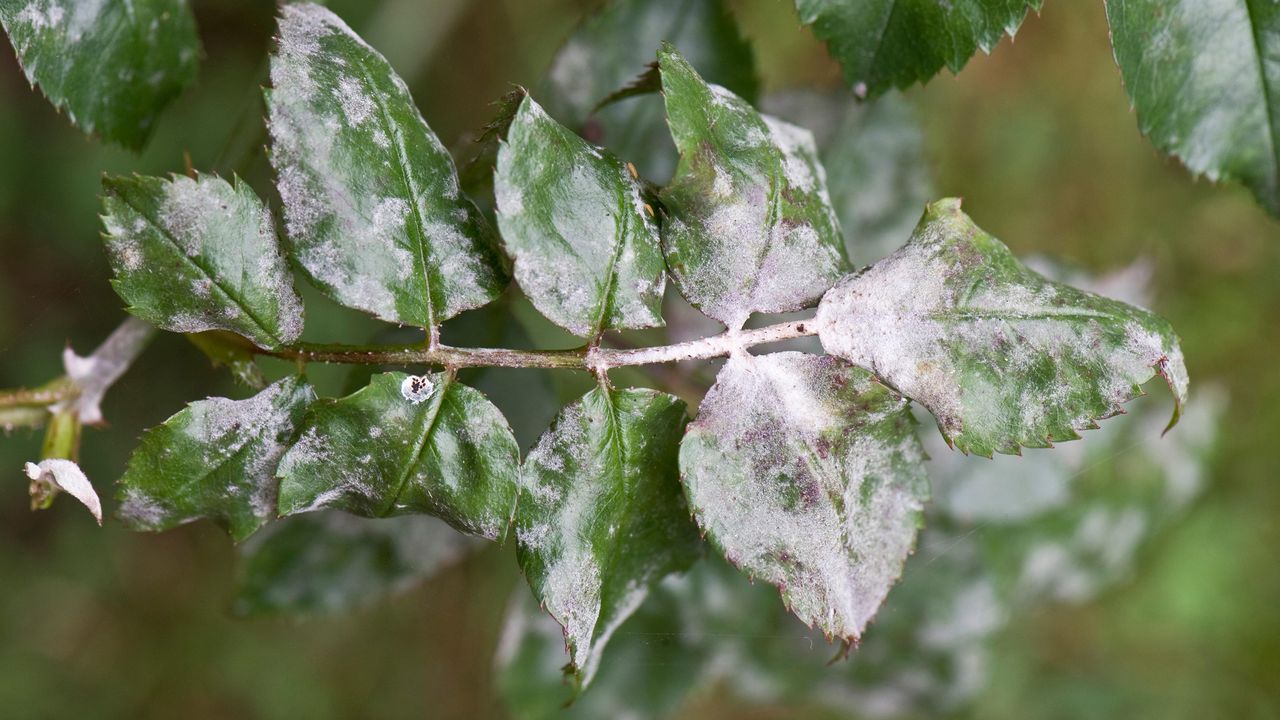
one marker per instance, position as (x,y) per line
(586,247)
(406,444)
(883,44)
(602,518)
(332,562)
(113,65)
(807,473)
(1001,356)
(371,198)
(749,226)
(192,255)
(216,459)
(1204,81)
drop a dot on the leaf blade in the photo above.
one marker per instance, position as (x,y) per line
(113,66)
(572,216)
(192,255)
(807,473)
(372,199)
(216,459)
(1221,118)
(749,225)
(602,518)
(883,44)
(388,449)
(1002,357)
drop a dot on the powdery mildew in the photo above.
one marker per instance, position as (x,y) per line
(586,249)
(371,197)
(750,225)
(1001,356)
(807,473)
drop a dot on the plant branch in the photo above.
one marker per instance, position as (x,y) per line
(595,359)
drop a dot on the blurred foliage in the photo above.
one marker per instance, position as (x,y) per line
(1038,138)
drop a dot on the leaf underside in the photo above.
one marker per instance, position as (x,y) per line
(196,255)
(384,450)
(883,44)
(601,516)
(216,459)
(1203,79)
(749,225)
(112,65)
(586,247)
(371,198)
(807,473)
(1001,356)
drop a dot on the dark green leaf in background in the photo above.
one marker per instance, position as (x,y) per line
(332,562)
(1000,355)
(586,246)
(611,49)
(113,65)
(1204,78)
(406,444)
(195,255)
(601,516)
(807,473)
(883,44)
(216,459)
(749,226)
(371,198)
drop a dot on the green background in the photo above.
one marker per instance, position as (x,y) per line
(1039,140)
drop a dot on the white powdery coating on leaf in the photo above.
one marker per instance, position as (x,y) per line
(916,316)
(345,145)
(803,491)
(755,259)
(69,478)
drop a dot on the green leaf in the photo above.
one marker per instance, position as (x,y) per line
(877,174)
(371,197)
(216,459)
(195,255)
(601,518)
(613,46)
(1204,81)
(406,444)
(587,251)
(1000,355)
(883,44)
(807,473)
(113,65)
(333,562)
(749,225)
(233,352)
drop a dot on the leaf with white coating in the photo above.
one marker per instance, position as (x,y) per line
(371,198)
(113,65)
(1002,357)
(807,473)
(601,517)
(192,255)
(406,444)
(216,459)
(1204,81)
(58,475)
(586,247)
(749,225)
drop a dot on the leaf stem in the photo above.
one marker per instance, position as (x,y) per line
(594,359)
